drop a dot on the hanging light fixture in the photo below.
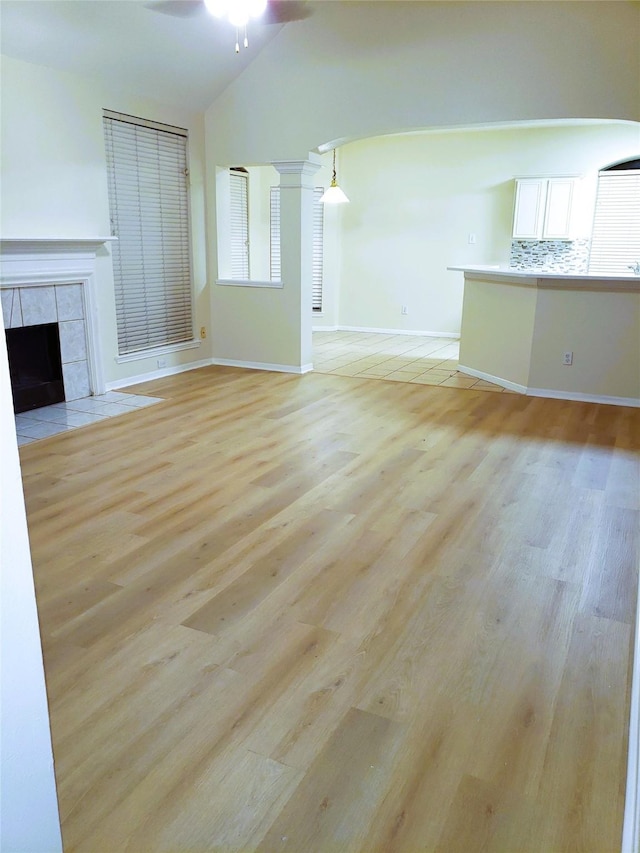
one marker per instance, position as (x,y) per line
(334,195)
(238,13)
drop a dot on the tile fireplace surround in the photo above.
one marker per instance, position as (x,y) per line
(52,280)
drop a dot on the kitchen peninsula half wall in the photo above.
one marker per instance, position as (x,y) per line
(574,337)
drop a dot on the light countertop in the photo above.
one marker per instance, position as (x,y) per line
(510,272)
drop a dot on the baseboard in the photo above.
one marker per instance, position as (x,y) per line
(495,380)
(325,328)
(261,365)
(453,335)
(578,397)
(631,823)
(551,393)
(156,374)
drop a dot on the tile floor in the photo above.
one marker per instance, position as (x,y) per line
(395,358)
(51,420)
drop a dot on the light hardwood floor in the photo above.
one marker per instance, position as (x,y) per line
(331,614)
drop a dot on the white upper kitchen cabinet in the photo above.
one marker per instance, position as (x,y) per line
(543,208)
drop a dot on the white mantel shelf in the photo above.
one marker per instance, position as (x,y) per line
(48,245)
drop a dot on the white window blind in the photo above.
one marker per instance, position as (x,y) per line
(149,208)
(239,224)
(615,242)
(318,244)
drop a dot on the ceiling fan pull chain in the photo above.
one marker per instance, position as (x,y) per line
(246,37)
(237,40)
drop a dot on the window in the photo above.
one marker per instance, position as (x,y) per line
(239,185)
(318,250)
(149,208)
(615,242)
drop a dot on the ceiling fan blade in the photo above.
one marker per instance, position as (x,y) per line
(277,11)
(286,11)
(177,8)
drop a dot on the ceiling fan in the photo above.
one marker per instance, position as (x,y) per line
(276,12)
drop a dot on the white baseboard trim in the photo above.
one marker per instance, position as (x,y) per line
(631,823)
(496,380)
(634,402)
(261,365)
(156,374)
(453,335)
(325,328)
(550,393)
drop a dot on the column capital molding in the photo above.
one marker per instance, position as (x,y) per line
(297,167)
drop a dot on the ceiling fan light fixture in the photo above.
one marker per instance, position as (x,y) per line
(237,12)
(334,195)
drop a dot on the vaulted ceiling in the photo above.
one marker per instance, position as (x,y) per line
(161,51)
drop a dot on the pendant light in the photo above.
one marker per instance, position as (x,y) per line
(334,195)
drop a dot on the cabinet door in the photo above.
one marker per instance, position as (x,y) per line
(528,216)
(557,217)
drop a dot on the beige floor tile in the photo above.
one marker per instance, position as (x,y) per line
(459,382)
(436,373)
(487,386)
(428,379)
(397,358)
(375,374)
(427,363)
(404,375)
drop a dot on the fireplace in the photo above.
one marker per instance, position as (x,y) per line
(51,282)
(35,366)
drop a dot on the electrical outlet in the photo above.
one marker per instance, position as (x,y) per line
(472,239)
(567,358)
(203,332)
(405,310)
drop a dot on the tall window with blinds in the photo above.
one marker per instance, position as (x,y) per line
(239,188)
(615,241)
(149,208)
(318,237)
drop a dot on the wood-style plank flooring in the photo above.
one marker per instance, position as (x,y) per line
(322,613)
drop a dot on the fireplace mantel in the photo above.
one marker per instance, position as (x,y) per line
(52,245)
(42,271)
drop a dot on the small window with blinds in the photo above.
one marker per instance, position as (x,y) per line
(318,244)
(615,241)
(149,209)
(239,189)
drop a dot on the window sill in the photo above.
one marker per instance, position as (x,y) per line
(241,282)
(152,353)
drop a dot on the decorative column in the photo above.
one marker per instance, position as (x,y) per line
(296,254)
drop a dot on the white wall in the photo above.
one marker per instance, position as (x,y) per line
(54,180)
(357,70)
(415,199)
(29,820)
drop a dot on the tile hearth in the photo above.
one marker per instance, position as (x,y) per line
(51,420)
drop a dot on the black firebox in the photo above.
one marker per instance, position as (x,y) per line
(35,366)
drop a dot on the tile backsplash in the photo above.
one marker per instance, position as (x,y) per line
(567,256)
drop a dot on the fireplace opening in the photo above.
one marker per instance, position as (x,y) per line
(35,365)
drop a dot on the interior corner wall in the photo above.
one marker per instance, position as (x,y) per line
(417,198)
(54,182)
